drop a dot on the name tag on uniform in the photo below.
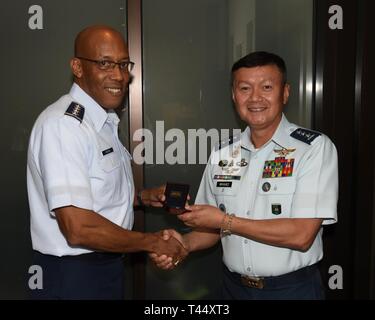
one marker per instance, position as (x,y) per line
(105,152)
(226,177)
(224,184)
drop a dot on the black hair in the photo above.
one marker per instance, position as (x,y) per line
(261,58)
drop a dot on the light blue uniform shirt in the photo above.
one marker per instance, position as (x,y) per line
(81,164)
(243,184)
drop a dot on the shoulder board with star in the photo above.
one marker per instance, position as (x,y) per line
(229,141)
(76,111)
(305,135)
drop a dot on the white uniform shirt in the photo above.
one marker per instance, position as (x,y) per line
(285,178)
(74,163)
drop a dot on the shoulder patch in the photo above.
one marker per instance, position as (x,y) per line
(305,135)
(75,110)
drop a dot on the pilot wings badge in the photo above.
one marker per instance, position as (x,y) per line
(283,152)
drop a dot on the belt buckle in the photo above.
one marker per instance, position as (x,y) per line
(253,282)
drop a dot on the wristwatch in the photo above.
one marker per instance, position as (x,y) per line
(225,232)
(226,229)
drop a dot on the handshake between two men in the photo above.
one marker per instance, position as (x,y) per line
(206,221)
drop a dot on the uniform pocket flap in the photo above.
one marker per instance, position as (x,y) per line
(110,162)
(285,185)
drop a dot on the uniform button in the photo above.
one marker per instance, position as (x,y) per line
(246,241)
(248,269)
(248,213)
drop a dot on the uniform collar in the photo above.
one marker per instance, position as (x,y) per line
(281,137)
(92,109)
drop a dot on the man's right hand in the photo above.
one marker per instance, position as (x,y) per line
(153,197)
(167,261)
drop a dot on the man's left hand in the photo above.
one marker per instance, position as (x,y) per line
(202,216)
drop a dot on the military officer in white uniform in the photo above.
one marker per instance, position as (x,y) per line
(80,183)
(266,193)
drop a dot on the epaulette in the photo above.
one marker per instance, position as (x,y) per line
(75,110)
(305,135)
(229,141)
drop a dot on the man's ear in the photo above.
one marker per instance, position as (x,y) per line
(286,93)
(76,66)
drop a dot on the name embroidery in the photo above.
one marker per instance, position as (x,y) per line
(105,152)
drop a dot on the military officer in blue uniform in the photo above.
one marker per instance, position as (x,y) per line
(265,194)
(80,183)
